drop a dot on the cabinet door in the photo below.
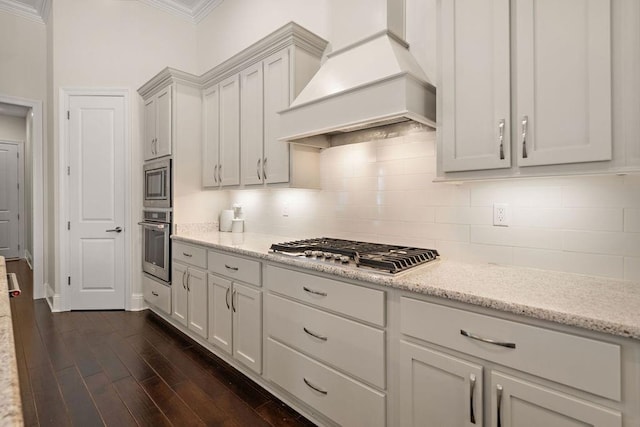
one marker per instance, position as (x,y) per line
(438,389)
(276,98)
(197,287)
(247,326)
(211,136)
(563,81)
(149,143)
(220,312)
(179,293)
(475,85)
(229,164)
(251,120)
(518,403)
(163,114)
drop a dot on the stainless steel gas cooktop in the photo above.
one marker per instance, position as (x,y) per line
(381,257)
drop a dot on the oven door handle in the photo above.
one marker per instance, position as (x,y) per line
(153,224)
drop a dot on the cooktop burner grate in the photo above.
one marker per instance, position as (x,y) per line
(389,258)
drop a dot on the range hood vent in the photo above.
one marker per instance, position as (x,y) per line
(371,83)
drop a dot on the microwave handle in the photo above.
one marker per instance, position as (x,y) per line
(153,224)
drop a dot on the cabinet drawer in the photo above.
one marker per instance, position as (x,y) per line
(192,255)
(157,294)
(242,269)
(352,300)
(351,346)
(344,400)
(583,363)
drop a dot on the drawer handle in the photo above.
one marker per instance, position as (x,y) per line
(316,388)
(472,389)
(487,340)
(154,293)
(499,408)
(187,255)
(231,268)
(320,337)
(311,291)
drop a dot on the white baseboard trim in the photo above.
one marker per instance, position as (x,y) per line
(137,303)
(29,258)
(54,300)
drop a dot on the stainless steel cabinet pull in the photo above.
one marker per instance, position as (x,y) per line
(233,304)
(501,137)
(226,298)
(187,255)
(316,388)
(487,340)
(220,173)
(153,224)
(183,276)
(215,174)
(188,277)
(311,291)
(320,337)
(231,268)
(472,389)
(115,230)
(264,168)
(258,169)
(499,408)
(525,128)
(154,293)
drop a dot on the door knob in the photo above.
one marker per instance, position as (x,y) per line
(115,230)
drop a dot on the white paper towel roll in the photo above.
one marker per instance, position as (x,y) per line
(226,219)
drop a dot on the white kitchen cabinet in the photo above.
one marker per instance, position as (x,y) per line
(221,144)
(189,296)
(235,312)
(157,125)
(519,403)
(448,388)
(556,80)
(434,386)
(265,90)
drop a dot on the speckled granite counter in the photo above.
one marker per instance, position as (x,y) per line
(598,304)
(10,403)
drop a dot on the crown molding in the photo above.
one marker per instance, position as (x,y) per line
(38,13)
(193,14)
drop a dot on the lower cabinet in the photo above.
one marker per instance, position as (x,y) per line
(235,320)
(189,296)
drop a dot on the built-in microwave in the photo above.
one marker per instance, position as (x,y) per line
(157,184)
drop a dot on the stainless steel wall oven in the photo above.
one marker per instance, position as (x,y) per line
(156,244)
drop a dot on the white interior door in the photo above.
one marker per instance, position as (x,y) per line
(96,202)
(9,200)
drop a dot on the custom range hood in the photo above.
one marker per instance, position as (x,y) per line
(366,85)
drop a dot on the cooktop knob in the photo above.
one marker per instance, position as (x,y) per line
(308,253)
(337,256)
(317,253)
(344,259)
(328,254)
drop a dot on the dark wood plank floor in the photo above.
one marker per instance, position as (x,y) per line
(91,368)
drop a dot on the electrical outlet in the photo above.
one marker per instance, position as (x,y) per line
(501,214)
(285,209)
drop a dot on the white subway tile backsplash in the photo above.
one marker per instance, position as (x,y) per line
(597,219)
(632,269)
(632,220)
(384,191)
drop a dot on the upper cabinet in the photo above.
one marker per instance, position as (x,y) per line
(242,98)
(525,87)
(221,145)
(157,125)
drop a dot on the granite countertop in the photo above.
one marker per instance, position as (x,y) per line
(10,403)
(594,303)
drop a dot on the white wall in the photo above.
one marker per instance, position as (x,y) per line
(237,24)
(13,128)
(383,191)
(114,44)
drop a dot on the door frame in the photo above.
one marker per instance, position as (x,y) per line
(38,152)
(21,230)
(62,201)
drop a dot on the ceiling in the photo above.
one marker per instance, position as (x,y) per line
(192,10)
